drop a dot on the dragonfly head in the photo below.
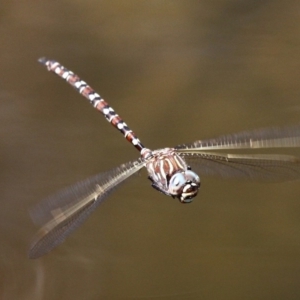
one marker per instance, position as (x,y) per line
(184,186)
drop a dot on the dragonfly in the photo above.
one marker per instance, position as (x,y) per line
(171,171)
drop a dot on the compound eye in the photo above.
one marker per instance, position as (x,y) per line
(176,183)
(191,176)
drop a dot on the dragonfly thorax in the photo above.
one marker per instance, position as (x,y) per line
(170,174)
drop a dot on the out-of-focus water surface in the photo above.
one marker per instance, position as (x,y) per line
(176,71)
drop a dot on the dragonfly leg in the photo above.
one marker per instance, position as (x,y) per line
(155,186)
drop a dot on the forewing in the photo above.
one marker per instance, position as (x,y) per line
(264,138)
(59,215)
(268,167)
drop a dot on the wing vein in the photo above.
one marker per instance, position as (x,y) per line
(59,215)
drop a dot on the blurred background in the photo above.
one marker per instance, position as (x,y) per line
(176,71)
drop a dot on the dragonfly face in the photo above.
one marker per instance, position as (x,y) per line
(184,186)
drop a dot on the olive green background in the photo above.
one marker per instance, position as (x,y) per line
(176,71)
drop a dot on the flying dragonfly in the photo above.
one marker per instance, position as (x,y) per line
(172,171)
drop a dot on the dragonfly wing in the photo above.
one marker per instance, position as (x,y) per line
(264,138)
(59,215)
(268,167)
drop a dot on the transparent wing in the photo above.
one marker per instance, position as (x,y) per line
(264,138)
(60,214)
(269,167)
(272,167)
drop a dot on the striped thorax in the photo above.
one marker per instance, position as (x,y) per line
(170,174)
